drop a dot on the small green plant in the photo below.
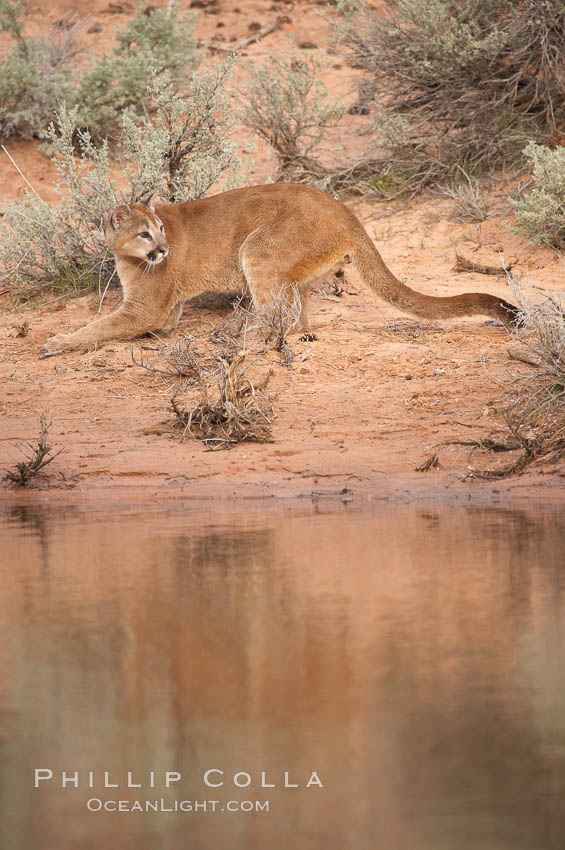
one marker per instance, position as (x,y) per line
(155,43)
(287,105)
(540,213)
(40,74)
(35,76)
(182,152)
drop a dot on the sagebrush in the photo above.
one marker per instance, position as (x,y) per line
(454,83)
(41,73)
(286,103)
(155,44)
(540,213)
(532,409)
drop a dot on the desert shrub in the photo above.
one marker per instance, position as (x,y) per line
(187,143)
(35,76)
(456,82)
(540,213)
(154,43)
(533,408)
(39,74)
(286,104)
(62,246)
(183,151)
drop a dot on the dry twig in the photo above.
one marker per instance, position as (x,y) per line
(37,455)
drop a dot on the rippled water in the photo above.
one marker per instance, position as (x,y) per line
(413,658)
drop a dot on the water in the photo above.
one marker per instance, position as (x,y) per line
(413,658)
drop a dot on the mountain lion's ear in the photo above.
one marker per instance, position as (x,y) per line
(118,215)
(149,200)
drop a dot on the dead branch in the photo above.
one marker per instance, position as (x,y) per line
(462,264)
(179,360)
(431,463)
(245,42)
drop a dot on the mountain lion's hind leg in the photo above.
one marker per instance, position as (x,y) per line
(266,298)
(304,264)
(304,320)
(267,286)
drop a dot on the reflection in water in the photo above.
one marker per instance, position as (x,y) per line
(412,657)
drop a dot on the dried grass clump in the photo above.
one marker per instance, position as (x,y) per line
(455,84)
(175,362)
(279,316)
(272,321)
(235,325)
(37,456)
(534,409)
(233,410)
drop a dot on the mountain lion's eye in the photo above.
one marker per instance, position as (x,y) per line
(162,229)
(144,235)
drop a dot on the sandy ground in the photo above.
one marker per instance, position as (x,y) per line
(358,409)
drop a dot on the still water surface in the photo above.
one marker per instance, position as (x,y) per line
(413,657)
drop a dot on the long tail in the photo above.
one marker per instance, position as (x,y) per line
(375,274)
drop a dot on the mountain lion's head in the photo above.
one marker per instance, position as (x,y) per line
(136,232)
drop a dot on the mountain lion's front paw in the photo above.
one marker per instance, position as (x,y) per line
(56,344)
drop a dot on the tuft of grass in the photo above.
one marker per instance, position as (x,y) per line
(468,203)
(36,457)
(279,316)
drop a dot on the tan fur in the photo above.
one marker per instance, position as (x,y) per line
(262,238)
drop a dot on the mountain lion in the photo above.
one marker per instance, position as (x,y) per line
(264,238)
